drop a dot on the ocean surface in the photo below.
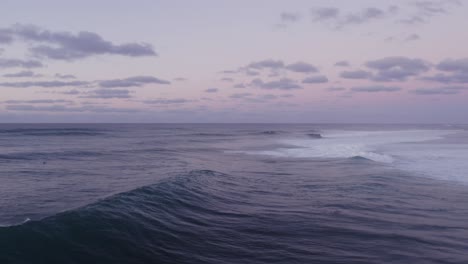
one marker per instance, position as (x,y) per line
(233,193)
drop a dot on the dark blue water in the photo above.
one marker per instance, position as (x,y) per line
(232,194)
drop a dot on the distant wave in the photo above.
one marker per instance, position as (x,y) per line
(53,131)
(60,155)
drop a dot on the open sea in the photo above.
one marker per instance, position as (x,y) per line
(233,193)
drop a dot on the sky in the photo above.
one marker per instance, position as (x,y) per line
(208,61)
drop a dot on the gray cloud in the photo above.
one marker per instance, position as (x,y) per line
(229,71)
(316,79)
(239,85)
(227,79)
(69,46)
(167,101)
(301,67)
(438,91)
(397,68)
(375,89)
(5,36)
(459,77)
(251,98)
(427,9)
(266,64)
(457,69)
(71,92)
(281,84)
(211,90)
(17,63)
(276,67)
(342,64)
(180,79)
(413,37)
(358,74)
(450,65)
(136,81)
(44,84)
(63,108)
(289,17)
(38,101)
(325,13)
(65,76)
(240,95)
(21,74)
(335,89)
(108,94)
(335,18)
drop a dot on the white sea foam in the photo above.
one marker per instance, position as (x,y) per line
(419,151)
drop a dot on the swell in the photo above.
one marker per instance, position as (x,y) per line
(210,217)
(146,224)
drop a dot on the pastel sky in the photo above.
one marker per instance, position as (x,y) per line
(324,61)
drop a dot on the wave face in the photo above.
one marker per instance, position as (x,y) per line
(165,194)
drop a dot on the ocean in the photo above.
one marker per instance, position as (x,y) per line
(233,193)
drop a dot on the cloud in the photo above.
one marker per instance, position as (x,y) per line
(69,46)
(288,17)
(239,85)
(21,74)
(268,96)
(240,95)
(413,37)
(458,77)
(251,98)
(316,79)
(71,92)
(167,101)
(180,79)
(227,79)
(439,91)
(136,81)
(229,71)
(302,67)
(397,68)
(276,66)
(17,63)
(358,74)
(325,13)
(108,94)
(38,101)
(424,10)
(337,19)
(65,76)
(211,90)
(457,69)
(375,89)
(281,84)
(5,36)
(451,65)
(63,108)
(266,64)
(335,89)
(44,84)
(342,64)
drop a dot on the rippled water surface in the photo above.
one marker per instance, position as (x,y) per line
(237,193)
